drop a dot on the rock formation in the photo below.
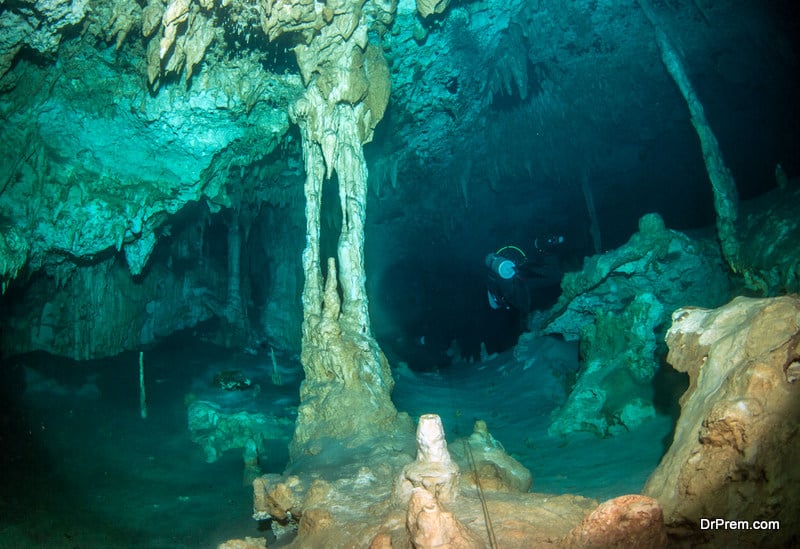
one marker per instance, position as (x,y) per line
(618,307)
(346,392)
(124,119)
(430,507)
(429,526)
(143,141)
(634,521)
(432,470)
(430,7)
(487,462)
(735,452)
(770,231)
(733,458)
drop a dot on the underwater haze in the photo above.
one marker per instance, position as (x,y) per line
(518,195)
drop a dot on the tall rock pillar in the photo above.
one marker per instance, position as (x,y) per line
(348,383)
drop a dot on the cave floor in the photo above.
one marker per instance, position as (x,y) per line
(516,403)
(83,469)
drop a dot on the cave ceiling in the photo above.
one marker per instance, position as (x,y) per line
(118,115)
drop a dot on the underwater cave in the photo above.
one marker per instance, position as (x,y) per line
(395,273)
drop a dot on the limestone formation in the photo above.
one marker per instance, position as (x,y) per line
(114,185)
(617,307)
(433,469)
(613,391)
(430,7)
(488,463)
(770,241)
(37,24)
(726,196)
(364,497)
(99,309)
(217,430)
(246,543)
(631,521)
(431,527)
(735,452)
(346,391)
(187,29)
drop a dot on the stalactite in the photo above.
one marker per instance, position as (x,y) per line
(234,308)
(594,225)
(726,200)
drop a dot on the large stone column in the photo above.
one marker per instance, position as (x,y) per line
(346,392)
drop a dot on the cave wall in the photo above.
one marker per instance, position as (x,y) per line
(108,185)
(99,309)
(117,116)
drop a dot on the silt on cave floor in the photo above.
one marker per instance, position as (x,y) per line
(177,172)
(88,471)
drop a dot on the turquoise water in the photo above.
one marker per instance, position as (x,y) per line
(85,470)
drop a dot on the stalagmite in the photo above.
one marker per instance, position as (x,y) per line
(433,470)
(726,201)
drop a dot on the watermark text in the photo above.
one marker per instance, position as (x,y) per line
(722,524)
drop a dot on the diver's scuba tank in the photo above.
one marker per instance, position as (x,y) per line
(501,266)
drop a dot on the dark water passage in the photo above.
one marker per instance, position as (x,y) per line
(83,469)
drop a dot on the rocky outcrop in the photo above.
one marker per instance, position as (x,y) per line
(735,452)
(486,462)
(430,7)
(94,164)
(770,237)
(98,174)
(618,307)
(218,429)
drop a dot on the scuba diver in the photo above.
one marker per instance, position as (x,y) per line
(513,275)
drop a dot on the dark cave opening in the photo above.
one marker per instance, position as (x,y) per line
(429,295)
(440,313)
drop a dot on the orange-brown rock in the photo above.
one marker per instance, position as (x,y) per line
(735,455)
(430,526)
(276,499)
(246,543)
(631,521)
(313,522)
